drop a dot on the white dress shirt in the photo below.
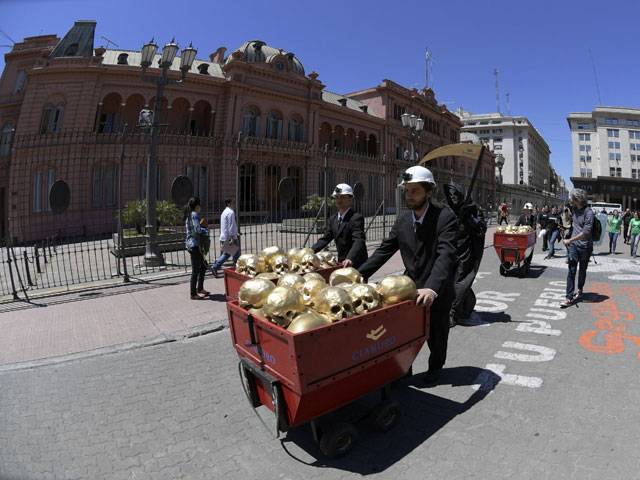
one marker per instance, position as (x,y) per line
(228,225)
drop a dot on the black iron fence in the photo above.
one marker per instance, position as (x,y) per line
(282,189)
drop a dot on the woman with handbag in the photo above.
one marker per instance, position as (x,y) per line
(196,238)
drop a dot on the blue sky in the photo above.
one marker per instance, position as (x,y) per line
(541,48)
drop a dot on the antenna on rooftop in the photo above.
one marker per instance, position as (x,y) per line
(8,38)
(428,58)
(109,42)
(595,77)
(508,95)
(496,73)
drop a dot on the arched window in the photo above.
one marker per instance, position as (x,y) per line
(296,129)
(251,122)
(274,126)
(104,186)
(51,120)
(6,136)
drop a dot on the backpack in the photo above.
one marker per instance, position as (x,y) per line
(597,229)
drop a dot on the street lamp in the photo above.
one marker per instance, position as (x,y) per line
(414,126)
(151,122)
(500,164)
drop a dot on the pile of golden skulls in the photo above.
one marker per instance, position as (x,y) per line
(302,299)
(513,230)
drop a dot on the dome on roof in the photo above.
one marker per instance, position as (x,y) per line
(256,51)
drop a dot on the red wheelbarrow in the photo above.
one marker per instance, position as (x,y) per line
(304,376)
(234,280)
(515,251)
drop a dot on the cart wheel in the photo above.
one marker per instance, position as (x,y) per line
(338,440)
(385,416)
(503,271)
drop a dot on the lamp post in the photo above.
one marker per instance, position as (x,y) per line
(151,121)
(500,164)
(414,126)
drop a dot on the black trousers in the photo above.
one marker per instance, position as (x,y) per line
(198,269)
(439,330)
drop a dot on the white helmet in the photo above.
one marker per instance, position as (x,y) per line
(527,206)
(342,189)
(417,174)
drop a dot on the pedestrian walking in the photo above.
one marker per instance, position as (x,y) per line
(542,224)
(626,218)
(196,237)
(229,237)
(346,228)
(503,214)
(426,237)
(634,233)
(553,230)
(579,245)
(614,226)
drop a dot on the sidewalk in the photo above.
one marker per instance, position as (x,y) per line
(66,331)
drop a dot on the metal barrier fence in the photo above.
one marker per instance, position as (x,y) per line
(281,189)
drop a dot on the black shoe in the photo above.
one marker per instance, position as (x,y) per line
(549,256)
(431,377)
(216,272)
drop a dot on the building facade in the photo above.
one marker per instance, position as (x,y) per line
(525,153)
(241,123)
(606,154)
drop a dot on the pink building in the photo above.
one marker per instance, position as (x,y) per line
(63,105)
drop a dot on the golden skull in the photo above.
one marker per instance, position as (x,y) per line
(253,293)
(250,265)
(334,303)
(345,275)
(283,304)
(327,259)
(280,264)
(396,289)
(269,253)
(501,229)
(291,280)
(364,298)
(307,321)
(310,275)
(295,260)
(292,254)
(311,288)
(269,276)
(309,263)
(258,312)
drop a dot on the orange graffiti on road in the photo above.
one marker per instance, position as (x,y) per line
(611,323)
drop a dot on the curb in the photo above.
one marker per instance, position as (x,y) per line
(198,331)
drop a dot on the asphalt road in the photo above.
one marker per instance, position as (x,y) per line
(530,391)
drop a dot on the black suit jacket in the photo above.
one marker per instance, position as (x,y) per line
(428,252)
(349,237)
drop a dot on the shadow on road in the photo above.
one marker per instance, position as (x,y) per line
(423,414)
(485,318)
(592,297)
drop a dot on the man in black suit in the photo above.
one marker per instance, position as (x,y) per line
(346,227)
(426,238)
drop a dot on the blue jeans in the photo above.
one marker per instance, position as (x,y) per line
(613,239)
(223,258)
(552,241)
(634,244)
(578,257)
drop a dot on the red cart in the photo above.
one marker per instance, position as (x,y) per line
(302,377)
(515,251)
(234,280)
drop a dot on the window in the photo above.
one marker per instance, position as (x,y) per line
(250,123)
(634,134)
(585,148)
(614,145)
(588,173)
(618,171)
(107,122)
(498,139)
(615,171)
(584,126)
(497,147)
(20,81)
(614,157)
(634,158)
(6,136)
(613,133)
(42,183)
(274,126)
(123,59)
(634,173)
(611,121)
(51,120)
(104,192)
(584,137)
(585,158)
(295,130)
(634,146)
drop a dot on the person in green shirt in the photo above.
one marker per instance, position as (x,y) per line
(634,233)
(614,227)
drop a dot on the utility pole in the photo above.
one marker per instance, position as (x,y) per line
(496,73)
(427,66)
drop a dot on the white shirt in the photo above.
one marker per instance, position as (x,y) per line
(421,219)
(342,215)
(228,225)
